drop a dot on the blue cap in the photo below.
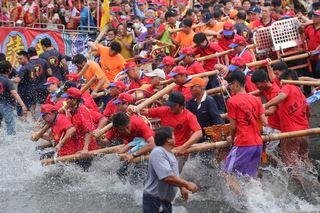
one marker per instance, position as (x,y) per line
(112,85)
(117,101)
(172,74)
(232,68)
(254,9)
(148,25)
(228,32)
(233,45)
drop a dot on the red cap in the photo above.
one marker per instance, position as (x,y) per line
(168,60)
(187,51)
(115,9)
(239,40)
(130,65)
(52,80)
(73,77)
(73,92)
(45,108)
(228,26)
(178,70)
(238,61)
(118,84)
(124,97)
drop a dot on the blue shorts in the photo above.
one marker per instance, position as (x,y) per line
(244,160)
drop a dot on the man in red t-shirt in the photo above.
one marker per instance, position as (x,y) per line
(137,78)
(128,128)
(187,130)
(85,120)
(268,91)
(62,130)
(245,111)
(312,35)
(115,89)
(180,77)
(167,64)
(293,114)
(227,36)
(192,65)
(239,45)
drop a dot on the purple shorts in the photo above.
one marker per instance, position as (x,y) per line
(244,160)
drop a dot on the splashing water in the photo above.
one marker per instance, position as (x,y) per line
(26,186)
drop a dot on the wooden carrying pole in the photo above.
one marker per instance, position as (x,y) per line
(142,105)
(219,54)
(202,147)
(78,156)
(47,127)
(307,83)
(199,75)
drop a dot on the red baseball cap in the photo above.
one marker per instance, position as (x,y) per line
(118,84)
(187,51)
(124,98)
(129,65)
(178,70)
(239,40)
(228,29)
(236,62)
(73,92)
(46,108)
(73,77)
(149,23)
(168,60)
(51,80)
(115,9)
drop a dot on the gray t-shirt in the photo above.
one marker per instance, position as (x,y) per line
(161,165)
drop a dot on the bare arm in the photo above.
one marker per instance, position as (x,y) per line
(233,128)
(264,120)
(193,139)
(69,133)
(100,84)
(92,46)
(147,148)
(64,64)
(102,122)
(18,98)
(276,100)
(271,74)
(177,181)
(87,140)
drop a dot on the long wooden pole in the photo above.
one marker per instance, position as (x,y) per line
(78,156)
(219,54)
(307,83)
(221,144)
(199,75)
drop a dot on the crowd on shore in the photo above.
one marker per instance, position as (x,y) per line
(110,82)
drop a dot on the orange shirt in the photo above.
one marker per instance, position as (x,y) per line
(95,70)
(216,28)
(111,65)
(185,40)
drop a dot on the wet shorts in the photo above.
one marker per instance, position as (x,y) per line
(244,160)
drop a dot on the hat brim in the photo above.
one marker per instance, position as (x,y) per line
(149,25)
(170,103)
(233,45)
(173,74)
(117,101)
(232,68)
(228,32)
(47,84)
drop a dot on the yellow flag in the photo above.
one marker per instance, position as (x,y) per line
(105,13)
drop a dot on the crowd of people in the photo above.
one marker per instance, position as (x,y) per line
(107,85)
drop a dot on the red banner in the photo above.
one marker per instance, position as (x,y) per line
(12,40)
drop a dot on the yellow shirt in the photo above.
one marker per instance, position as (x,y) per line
(125,52)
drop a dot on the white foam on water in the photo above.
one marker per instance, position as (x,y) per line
(26,186)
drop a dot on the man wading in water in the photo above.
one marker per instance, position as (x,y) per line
(163,175)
